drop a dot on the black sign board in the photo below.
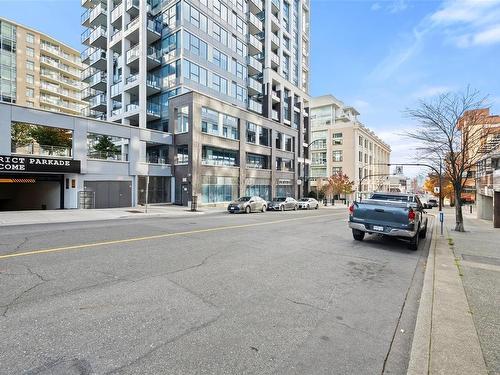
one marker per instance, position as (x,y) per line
(9,164)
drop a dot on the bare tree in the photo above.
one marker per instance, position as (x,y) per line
(453,127)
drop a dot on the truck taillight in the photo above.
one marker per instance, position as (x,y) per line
(351,209)
(411,215)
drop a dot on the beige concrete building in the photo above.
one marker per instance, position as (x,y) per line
(38,71)
(341,143)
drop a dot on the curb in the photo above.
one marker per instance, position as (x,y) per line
(445,340)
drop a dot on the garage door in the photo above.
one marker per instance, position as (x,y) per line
(111,194)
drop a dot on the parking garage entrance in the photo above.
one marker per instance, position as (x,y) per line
(31,192)
(33,183)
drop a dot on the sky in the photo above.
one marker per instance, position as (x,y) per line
(381,57)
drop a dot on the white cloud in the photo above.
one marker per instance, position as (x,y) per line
(489,36)
(376,6)
(392,6)
(430,91)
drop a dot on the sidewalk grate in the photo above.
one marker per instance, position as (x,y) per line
(481,259)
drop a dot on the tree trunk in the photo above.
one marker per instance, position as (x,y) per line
(459,219)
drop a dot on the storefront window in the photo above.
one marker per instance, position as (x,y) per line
(158,189)
(216,189)
(260,187)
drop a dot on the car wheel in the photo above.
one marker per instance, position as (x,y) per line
(358,235)
(264,208)
(423,232)
(247,209)
(413,245)
(317,206)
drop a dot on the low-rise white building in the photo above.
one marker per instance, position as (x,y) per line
(50,161)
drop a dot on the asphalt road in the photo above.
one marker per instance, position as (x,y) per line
(271,293)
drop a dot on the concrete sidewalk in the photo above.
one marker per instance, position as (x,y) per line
(457,328)
(74,215)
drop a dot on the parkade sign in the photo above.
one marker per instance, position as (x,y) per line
(13,164)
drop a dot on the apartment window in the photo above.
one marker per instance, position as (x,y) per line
(195,45)
(230,127)
(337,139)
(30,93)
(361,141)
(182,156)
(239,92)
(371,146)
(219,33)
(209,121)
(360,156)
(336,170)
(182,120)
(217,156)
(30,79)
(195,73)
(220,9)
(337,155)
(240,25)
(360,173)
(318,158)
(257,161)
(105,147)
(30,104)
(219,59)
(289,143)
(195,17)
(30,65)
(30,38)
(238,69)
(366,143)
(366,158)
(371,159)
(30,52)
(219,84)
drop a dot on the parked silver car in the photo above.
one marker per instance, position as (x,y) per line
(247,205)
(308,203)
(283,204)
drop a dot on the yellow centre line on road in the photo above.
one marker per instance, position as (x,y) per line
(175,234)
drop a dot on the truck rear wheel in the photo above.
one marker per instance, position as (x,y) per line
(358,235)
(413,245)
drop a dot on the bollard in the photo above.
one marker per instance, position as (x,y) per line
(470,209)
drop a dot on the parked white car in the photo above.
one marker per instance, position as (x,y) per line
(308,203)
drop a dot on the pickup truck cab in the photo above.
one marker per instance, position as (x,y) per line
(389,214)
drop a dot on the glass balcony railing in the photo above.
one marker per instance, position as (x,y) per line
(153,109)
(100,155)
(42,150)
(133,54)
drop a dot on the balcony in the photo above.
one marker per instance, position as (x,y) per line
(44,60)
(116,15)
(275,96)
(254,65)
(87,112)
(153,84)
(132,7)
(254,87)
(132,84)
(87,93)
(255,6)
(97,16)
(153,111)
(55,101)
(275,41)
(254,25)
(98,59)
(254,45)
(116,90)
(132,56)
(60,54)
(95,38)
(154,58)
(153,30)
(255,106)
(132,30)
(84,19)
(276,4)
(115,41)
(98,103)
(275,60)
(275,23)
(98,81)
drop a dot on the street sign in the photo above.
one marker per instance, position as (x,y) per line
(436,189)
(441,216)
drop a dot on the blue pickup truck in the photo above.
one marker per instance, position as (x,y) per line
(389,214)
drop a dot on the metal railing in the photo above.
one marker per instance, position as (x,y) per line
(103,155)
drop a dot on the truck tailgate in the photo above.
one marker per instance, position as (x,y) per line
(391,214)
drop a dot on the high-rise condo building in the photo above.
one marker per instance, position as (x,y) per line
(225,80)
(38,71)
